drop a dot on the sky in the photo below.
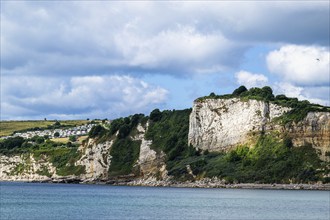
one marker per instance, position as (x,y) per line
(110,59)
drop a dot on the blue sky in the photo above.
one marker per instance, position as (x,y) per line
(89,59)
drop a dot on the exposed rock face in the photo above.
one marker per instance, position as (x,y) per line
(219,124)
(315,130)
(215,125)
(152,164)
(96,158)
(25,168)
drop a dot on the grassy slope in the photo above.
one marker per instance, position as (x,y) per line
(8,127)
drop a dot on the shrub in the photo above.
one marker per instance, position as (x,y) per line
(155,115)
(73,138)
(96,130)
(56,134)
(125,153)
(239,90)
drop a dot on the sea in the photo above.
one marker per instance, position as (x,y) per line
(79,201)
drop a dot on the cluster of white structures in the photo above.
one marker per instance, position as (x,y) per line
(67,132)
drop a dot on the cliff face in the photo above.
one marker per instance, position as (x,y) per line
(26,168)
(220,124)
(151,163)
(314,130)
(96,159)
(214,125)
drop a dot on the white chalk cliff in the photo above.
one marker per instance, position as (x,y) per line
(215,125)
(221,124)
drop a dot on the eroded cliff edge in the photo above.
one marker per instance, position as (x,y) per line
(222,124)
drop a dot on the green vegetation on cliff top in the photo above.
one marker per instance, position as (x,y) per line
(299,110)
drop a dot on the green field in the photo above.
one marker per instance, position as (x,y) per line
(8,127)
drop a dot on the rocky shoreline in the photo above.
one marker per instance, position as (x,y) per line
(204,183)
(220,184)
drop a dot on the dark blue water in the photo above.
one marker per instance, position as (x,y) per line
(73,201)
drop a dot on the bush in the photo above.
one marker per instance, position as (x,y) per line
(239,90)
(125,153)
(73,138)
(96,131)
(56,134)
(11,143)
(155,115)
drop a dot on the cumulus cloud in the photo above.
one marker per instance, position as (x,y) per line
(301,65)
(319,95)
(183,47)
(79,97)
(59,50)
(251,79)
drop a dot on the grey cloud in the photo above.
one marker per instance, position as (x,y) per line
(83,38)
(109,96)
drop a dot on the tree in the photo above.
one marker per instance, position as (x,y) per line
(40,140)
(267,93)
(124,130)
(95,131)
(73,138)
(56,134)
(212,95)
(155,115)
(239,90)
(282,97)
(10,143)
(57,124)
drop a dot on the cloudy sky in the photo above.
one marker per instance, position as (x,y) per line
(86,59)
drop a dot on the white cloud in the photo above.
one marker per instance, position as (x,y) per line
(319,95)
(183,48)
(44,42)
(87,96)
(251,79)
(301,65)
(83,38)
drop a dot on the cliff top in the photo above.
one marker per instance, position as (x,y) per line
(299,110)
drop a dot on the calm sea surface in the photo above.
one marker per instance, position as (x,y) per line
(74,201)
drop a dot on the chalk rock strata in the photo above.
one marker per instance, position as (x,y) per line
(314,130)
(26,168)
(152,164)
(96,158)
(219,124)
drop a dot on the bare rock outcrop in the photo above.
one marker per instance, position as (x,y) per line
(25,168)
(96,158)
(152,164)
(220,124)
